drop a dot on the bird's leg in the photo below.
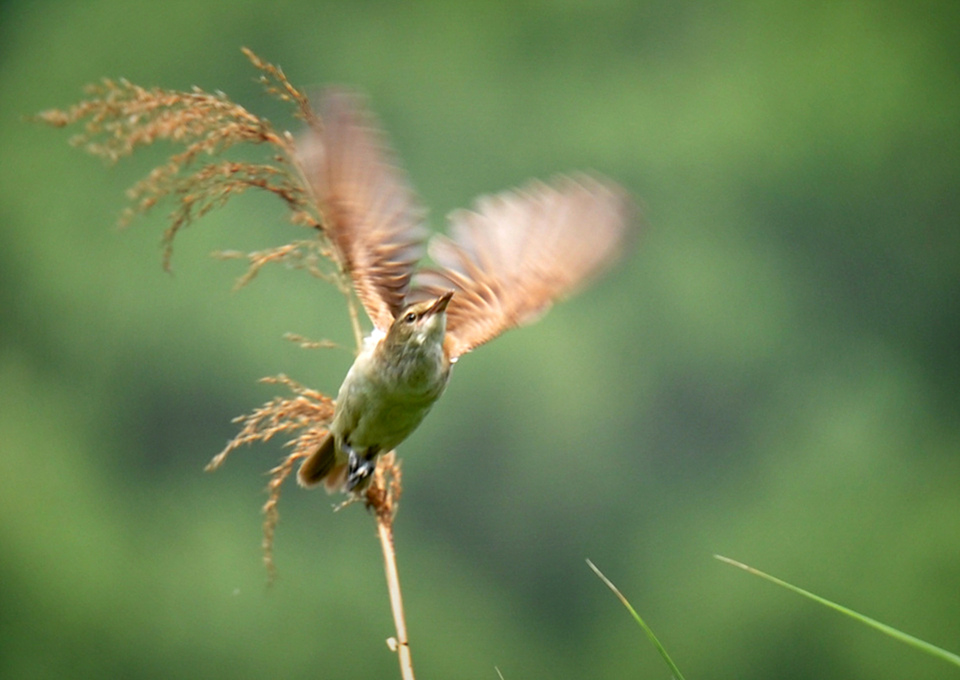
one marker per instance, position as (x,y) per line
(359,468)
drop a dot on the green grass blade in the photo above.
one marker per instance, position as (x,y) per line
(646,629)
(922,645)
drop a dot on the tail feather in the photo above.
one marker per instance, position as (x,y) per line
(336,479)
(318,464)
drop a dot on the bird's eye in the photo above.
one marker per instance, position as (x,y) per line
(410,317)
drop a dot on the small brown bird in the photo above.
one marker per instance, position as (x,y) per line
(504,264)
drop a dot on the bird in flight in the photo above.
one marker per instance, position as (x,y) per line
(503,264)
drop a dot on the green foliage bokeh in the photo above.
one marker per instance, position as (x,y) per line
(773,375)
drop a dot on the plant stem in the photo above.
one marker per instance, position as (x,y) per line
(383,497)
(385,531)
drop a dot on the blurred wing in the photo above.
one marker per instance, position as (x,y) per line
(369,212)
(517,252)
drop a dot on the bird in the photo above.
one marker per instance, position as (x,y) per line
(504,263)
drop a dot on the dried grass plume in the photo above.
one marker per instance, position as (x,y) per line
(119,117)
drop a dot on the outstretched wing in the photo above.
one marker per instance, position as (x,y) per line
(369,212)
(515,253)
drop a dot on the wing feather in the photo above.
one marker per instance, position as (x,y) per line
(517,252)
(369,211)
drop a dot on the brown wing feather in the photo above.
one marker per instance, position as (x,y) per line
(369,212)
(516,252)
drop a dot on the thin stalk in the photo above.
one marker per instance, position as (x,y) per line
(383,496)
(400,643)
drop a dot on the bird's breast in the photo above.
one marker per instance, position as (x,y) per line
(385,396)
(412,370)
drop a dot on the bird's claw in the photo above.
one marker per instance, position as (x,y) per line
(358,469)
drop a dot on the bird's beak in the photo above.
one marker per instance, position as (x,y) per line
(440,304)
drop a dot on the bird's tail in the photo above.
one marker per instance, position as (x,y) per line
(322,466)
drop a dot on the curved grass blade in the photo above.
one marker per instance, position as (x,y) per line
(646,629)
(922,645)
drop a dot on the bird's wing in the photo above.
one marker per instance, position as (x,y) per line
(510,257)
(369,211)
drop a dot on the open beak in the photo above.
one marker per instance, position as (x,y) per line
(440,304)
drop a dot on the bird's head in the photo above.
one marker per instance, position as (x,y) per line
(421,323)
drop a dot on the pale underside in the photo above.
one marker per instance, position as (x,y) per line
(376,411)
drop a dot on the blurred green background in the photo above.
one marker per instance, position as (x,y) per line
(773,375)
